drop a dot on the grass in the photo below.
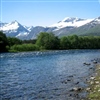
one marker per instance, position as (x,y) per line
(94,92)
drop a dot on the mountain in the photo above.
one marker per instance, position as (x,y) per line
(2,24)
(14,29)
(29,28)
(36,30)
(91,28)
(67,26)
(71,22)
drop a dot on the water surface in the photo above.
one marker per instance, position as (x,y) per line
(44,75)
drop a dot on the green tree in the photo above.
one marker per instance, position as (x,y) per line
(3,42)
(64,43)
(47,41)
(12,41)
(74,41)
(33,41)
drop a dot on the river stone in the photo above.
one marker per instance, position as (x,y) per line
(78,89)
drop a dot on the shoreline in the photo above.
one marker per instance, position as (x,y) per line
(94,85)
(50,50)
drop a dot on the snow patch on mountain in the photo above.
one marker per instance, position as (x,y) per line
(28,28)
(72,22)
(97,20)
(22,34)
(10,26)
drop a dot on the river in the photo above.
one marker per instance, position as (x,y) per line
(46,75)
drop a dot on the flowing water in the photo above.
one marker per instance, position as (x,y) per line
(46,75)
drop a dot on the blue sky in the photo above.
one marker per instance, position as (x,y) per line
(47,12)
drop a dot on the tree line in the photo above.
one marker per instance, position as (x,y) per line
(48,41)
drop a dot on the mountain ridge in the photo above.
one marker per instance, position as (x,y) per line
(67,26)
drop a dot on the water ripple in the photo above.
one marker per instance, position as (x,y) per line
(44,75)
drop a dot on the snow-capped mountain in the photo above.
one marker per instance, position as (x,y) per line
(91,28)
(67,26)
(10,26)
(14,29)
(95,21)
(71,22)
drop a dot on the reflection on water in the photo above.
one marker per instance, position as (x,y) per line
(44,75)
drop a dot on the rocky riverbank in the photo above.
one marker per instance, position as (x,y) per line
(93,89)
(94,85)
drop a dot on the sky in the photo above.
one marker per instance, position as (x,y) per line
(47,12)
